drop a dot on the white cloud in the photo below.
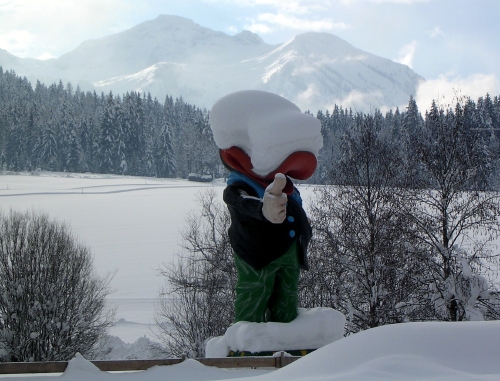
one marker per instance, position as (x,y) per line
(29,28)
(401,1)
(386,1)
(232,29)
(288,6)
(45,56)
(436,32)
(268,22)
(301,15)
(407,53)
(18,42)
(360,101)
(445,89)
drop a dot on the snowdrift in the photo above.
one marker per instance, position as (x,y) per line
(410,352)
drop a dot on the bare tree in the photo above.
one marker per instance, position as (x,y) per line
(198,301)
(360,264)
(52,303)
(456,221)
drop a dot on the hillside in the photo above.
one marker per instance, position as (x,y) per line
(175,56)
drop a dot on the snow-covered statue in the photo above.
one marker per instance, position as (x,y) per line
(266,141)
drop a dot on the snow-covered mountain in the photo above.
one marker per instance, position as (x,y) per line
(171,55)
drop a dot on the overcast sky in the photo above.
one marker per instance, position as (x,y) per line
(451,43)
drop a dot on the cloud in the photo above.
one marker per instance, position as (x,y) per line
(45,56)
(445,89)
(29,28)
(299,15)
(406,54)
(401,1)
(290,7)
(268,22)
(16,41)
(436,32)
(232,29)
(409,2)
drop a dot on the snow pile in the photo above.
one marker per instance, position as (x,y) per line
(409,351)
(79,365)
(312,329)
(80,369)
(264,125)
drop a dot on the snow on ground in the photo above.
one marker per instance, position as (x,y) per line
(312,329)
(408,351)
(132,225)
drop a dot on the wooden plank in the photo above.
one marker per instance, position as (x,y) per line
(135,365)
(239,362)
(33,367)
(131,365)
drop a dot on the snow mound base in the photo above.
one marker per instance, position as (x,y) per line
(269,128)
(458,351)
(313,328)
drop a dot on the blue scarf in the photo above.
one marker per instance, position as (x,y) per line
(235,176)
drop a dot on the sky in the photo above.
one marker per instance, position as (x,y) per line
(448,42)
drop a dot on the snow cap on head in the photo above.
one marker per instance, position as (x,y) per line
(267,127)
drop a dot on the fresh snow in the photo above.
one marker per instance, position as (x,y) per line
(463,351)
(132,226)
(313,328)
(255,120)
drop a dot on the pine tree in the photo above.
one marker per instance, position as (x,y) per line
(107,150)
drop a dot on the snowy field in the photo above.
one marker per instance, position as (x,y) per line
(132,225)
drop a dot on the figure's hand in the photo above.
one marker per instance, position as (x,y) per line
(274,202)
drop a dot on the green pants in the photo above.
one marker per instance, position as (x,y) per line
(268,294)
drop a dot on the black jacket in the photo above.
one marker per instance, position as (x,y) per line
(258,241)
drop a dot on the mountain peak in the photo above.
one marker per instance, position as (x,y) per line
(248,38)
(172,55)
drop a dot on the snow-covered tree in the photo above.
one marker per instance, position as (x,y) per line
(52,303)
(360,264)
(456,220)
(108,150)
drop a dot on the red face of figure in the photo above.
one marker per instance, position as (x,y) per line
(299,165)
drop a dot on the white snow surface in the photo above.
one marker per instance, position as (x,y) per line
(463,351)
(132,224)
(312,329)
(266,126)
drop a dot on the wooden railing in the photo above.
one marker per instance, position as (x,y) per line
(134,365)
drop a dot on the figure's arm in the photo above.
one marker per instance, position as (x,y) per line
(271,208)
(241,197)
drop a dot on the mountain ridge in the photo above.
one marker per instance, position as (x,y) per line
(172,55)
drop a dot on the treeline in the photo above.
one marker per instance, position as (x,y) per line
(481,121)
(58,128)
